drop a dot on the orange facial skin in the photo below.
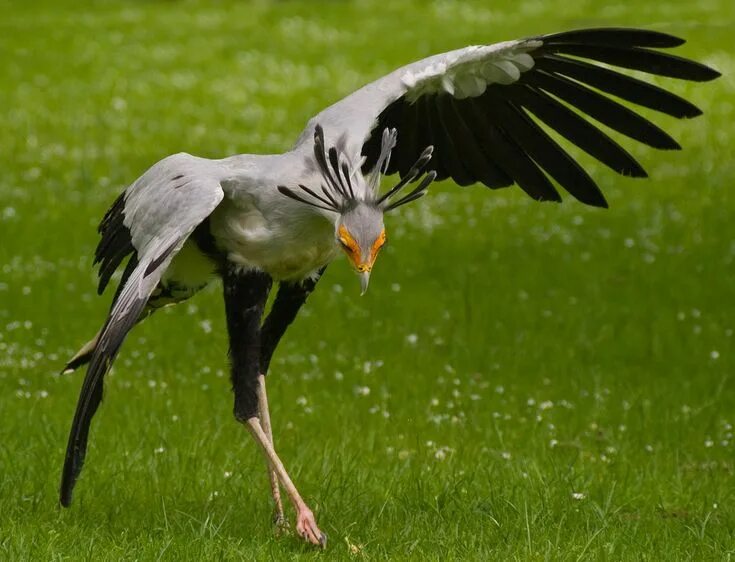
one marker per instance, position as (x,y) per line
(377,245)
(352,249)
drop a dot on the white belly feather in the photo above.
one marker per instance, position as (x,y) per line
(288,243)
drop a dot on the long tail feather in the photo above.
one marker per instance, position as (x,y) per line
(124,314)
(83,356)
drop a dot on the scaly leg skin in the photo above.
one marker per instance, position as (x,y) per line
(305,522)
(265,420)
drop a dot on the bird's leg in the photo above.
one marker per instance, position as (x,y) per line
(245,298)
(290,298)
(305,522)
(265,421)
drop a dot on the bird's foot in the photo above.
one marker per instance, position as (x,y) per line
(280,523)
(307,529)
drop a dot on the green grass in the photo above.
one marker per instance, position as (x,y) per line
(517,355)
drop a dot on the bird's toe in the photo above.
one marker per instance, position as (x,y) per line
(307,528)
(280,523)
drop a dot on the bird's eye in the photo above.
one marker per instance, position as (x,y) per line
(345,245)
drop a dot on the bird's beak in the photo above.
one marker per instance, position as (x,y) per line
(364,280)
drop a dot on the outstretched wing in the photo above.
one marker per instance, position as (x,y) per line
(481,108)
(151,221)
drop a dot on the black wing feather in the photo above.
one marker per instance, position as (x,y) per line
(453,147)
(636,58)
(545,151)
(496,139)
(441,161)
(115,242)
(603,109)
(483,168)
(616,36)
(409,143)
(625,87)
(510,157)
(110,264)
(577,130)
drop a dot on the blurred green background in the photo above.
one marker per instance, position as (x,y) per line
(522,381)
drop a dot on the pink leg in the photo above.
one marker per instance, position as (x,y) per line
(265,421)
(305,522)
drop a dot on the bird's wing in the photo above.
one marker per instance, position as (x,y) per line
(152,219)
(483,107)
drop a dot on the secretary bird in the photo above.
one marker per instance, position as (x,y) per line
(474,115)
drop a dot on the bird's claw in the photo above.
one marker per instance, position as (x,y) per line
(280,523)
(307,529)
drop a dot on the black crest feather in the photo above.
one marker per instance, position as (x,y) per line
(341,188)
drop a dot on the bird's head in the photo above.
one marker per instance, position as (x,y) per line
(354,197)
(361,234)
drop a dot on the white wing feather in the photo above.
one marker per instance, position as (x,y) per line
(170,200)
(463,73)
(161,210)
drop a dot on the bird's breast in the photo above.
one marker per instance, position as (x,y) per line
(287,246)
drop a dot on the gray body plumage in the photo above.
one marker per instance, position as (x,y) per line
(257,228)
(287,216)
(251,222)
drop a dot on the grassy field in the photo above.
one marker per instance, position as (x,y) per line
(522,381)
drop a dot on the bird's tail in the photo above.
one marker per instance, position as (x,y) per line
(83,356)
(125,312)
